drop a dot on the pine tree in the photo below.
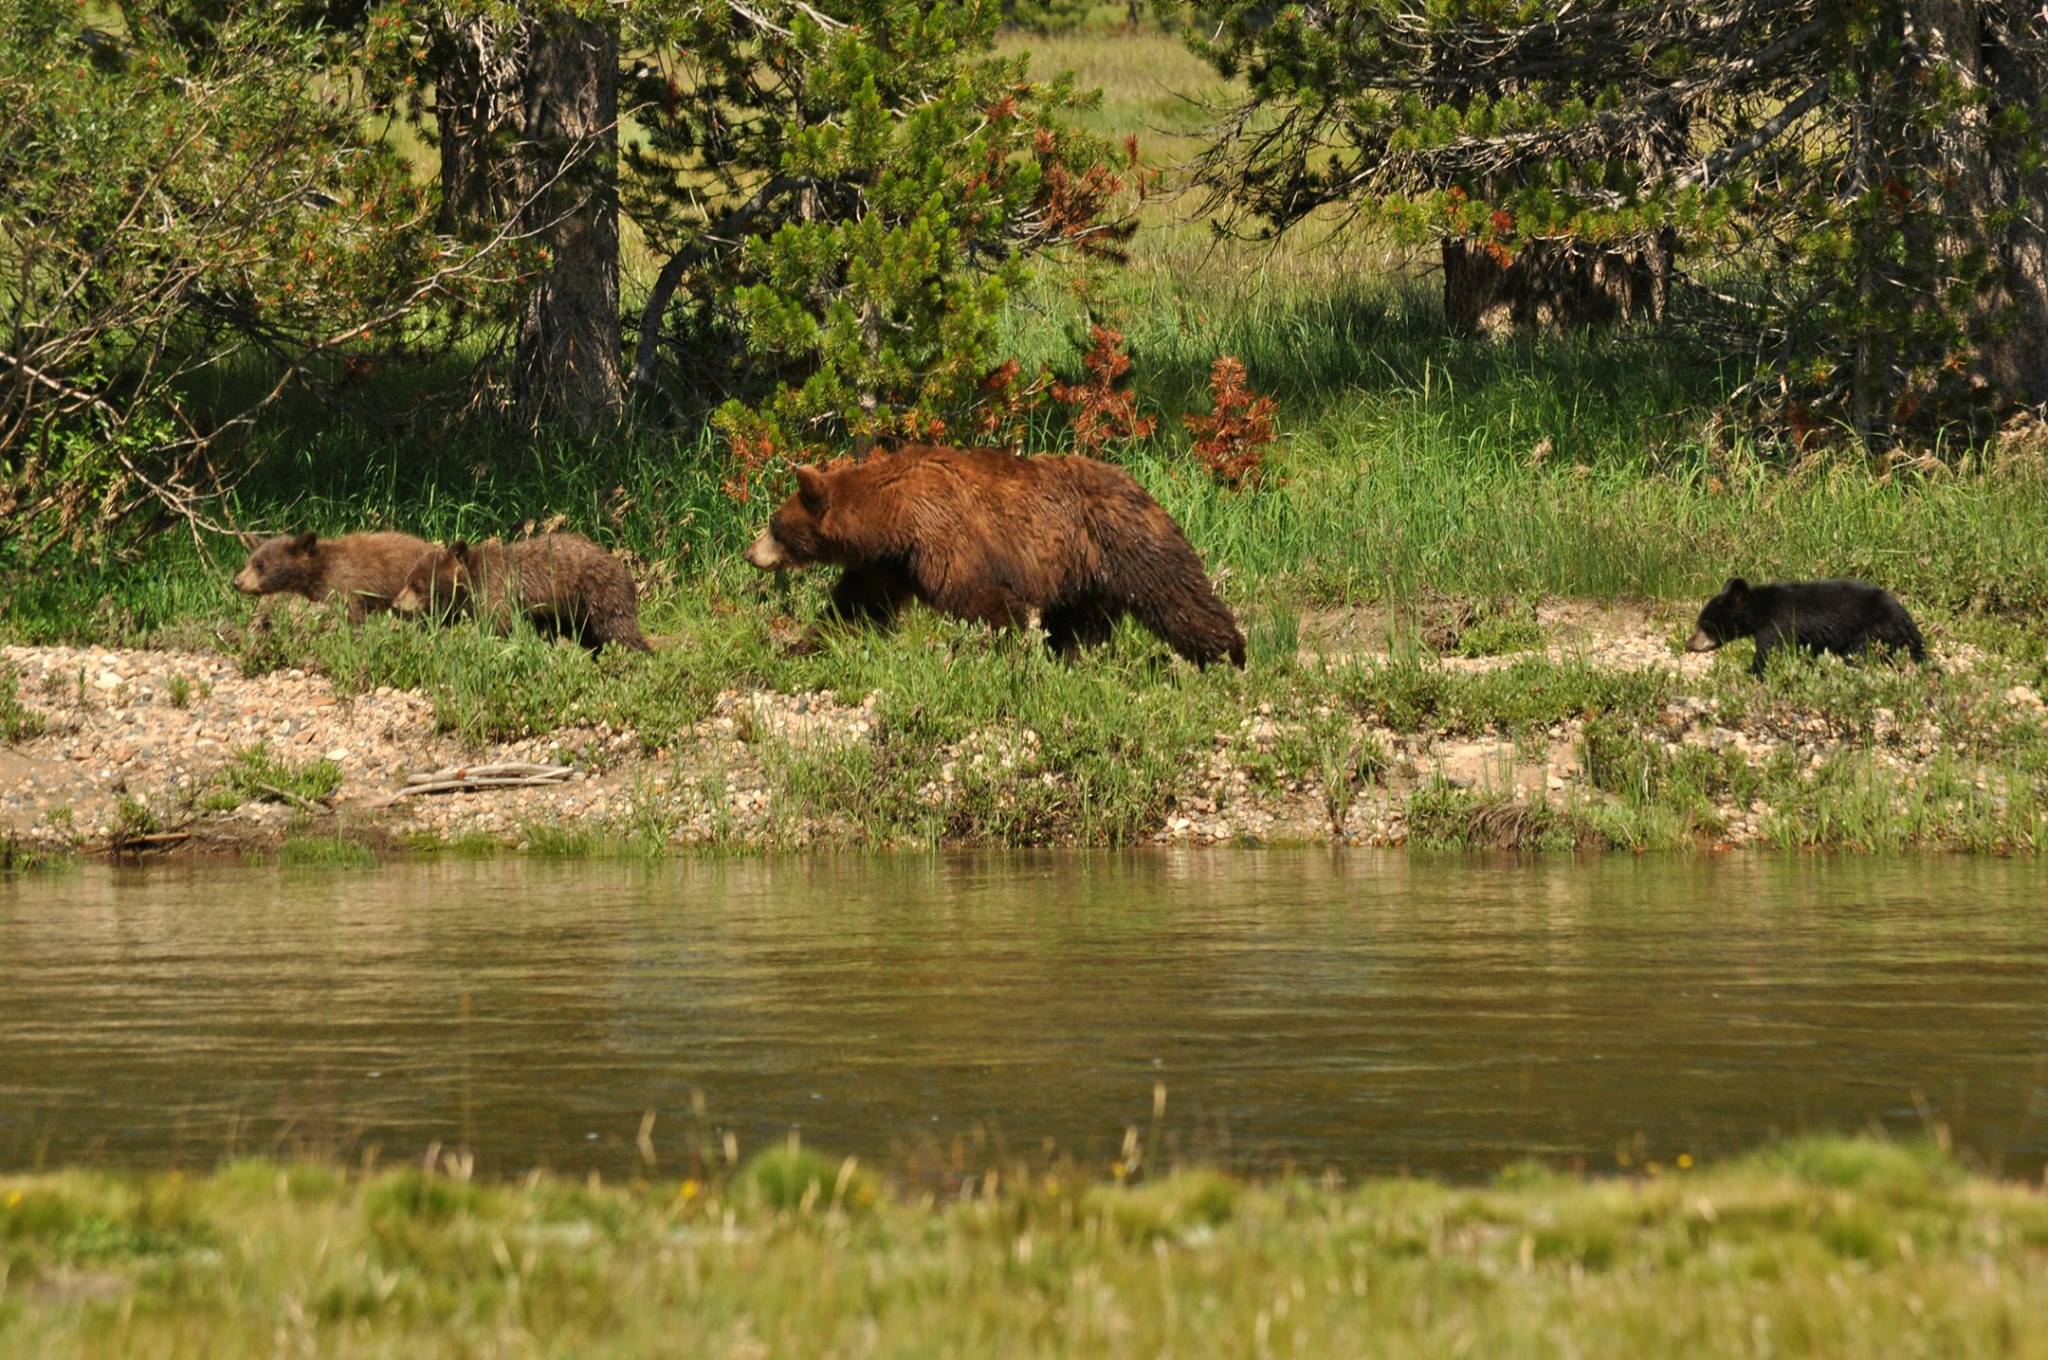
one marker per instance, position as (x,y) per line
(1863,178)
(845,196)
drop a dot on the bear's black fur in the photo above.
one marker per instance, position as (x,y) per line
(1843,617)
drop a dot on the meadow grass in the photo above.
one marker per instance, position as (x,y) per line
(1822,1247)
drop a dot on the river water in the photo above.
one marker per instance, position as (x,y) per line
(1257,1010)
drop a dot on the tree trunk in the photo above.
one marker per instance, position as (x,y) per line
(567,364)
(1997,184)
(1553,285)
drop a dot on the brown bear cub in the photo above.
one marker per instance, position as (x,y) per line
(367,570)
(564,584)
(984,535)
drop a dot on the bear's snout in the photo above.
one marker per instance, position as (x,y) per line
(766,554)
(246,582)
(1700,642)
(407,601)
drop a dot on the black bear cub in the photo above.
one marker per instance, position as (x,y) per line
(1843,617)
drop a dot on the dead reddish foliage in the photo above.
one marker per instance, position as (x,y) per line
(750,453)
(1102,410)
(1232,440)
(1003,407)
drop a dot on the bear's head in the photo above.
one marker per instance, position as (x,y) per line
(288,562)
(1726,617)
(439,582)
(795,536)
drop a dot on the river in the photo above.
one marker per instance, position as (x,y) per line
(1259,1010)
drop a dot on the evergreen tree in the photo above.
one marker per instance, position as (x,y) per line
(844,196)
(1865,177)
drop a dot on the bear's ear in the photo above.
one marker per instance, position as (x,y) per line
(1736,586)
(810,488)
(459,550)
(304,542)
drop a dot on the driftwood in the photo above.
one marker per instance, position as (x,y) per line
(462,778)
(120,844)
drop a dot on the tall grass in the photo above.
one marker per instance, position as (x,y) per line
(1401,471)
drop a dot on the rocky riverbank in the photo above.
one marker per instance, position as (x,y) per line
(151,750)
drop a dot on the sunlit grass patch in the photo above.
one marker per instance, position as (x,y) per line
(1442,816)
(548,840)
(1829,1246)
(1409,693)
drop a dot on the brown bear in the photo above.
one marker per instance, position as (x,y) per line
(367,570)
(564,584)
(985,535)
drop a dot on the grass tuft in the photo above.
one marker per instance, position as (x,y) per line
(325,852)
(18,722)
(254,775)
(793,1179)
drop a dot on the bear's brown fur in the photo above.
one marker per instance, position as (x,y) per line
(563,583)
(367,570)
(982,534)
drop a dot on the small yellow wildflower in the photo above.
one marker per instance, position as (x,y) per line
(687,1191)
(1685,1161)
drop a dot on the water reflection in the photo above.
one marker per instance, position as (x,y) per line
(1358,1012)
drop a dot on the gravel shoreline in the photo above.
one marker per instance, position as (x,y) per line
(129,732)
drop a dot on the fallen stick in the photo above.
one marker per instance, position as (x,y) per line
(462,778)
(149,840)
(502,768)
(287,796)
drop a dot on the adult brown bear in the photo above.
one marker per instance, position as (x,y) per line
(982,534)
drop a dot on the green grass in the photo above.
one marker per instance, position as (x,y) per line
(254,775)
(560,842)
(1824,1247)
(18,856)
(18,722)
(324,852)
